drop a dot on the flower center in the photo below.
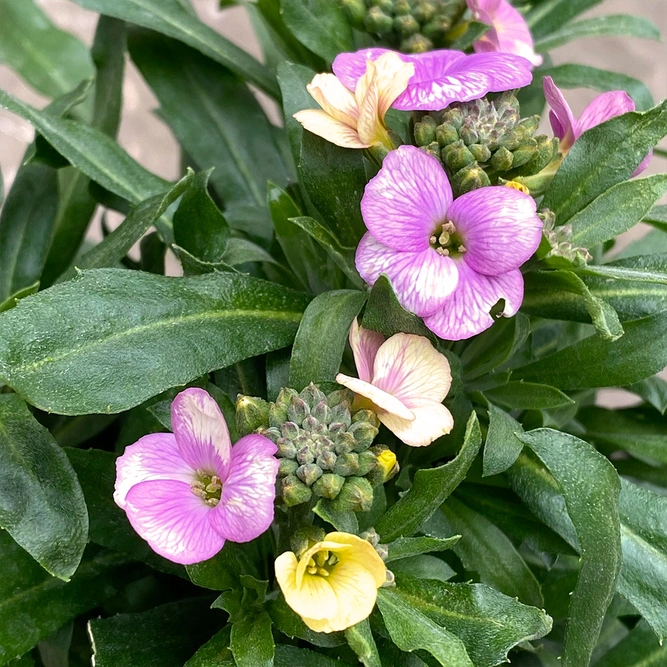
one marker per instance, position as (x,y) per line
(322,563)
(208,487)
(446,241)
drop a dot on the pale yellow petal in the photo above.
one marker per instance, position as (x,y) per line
(334,98)
(380,399)
(392,79)
(409,368)
(432,420)
(319,624)
(356,593)
(362,553)
(307,555)
(364,81)
(323,125)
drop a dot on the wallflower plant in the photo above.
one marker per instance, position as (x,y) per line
(332,397)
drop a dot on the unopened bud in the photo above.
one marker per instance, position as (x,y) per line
(367,461)
(406,25)
(528,126)
(544,153)
(327,460)
(356,11)
(309,473)
(446,134)
(312,395)
(382,551)
(273,434)
(502,159)
(364,434)
(433,149)
(305,455)
(370,535)
(390,580)
(321,412)
(416,44)
(347,464)
(366,416)
(289,430)
(470,178)
(468,135)
(294,492)
(345,443)
(425,131)
(457,156)
(286,449)
(355,496)
(287,467)
(340,397)
(378,22)
(329,485)
(251,414)
(480,152)
(298,410)
(524,153)
(387,465)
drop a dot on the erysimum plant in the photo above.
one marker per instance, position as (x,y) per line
(360,424)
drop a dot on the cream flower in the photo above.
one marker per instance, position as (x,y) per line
(405,379)
(333,586)
(356,120)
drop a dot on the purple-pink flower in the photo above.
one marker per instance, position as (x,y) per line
(604,107)
(449,260)
(442,77)
(509,32)
(189,491)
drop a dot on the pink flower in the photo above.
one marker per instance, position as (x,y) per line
(604,107)
(509,32)
(441,77)
(405,379)
(449,261)
(188,491)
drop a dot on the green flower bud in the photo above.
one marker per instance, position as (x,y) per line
(546,150)
(341,396)
(345,443)
(454,116)
(457,156)
(286,449)
(370,535)
(340,414)
(327,460)
(305,455)
(425,131)
(366,416)
(387,6)
(328,486)
(382,551)
(468,135)
(273,434)
(378,22)
(293,491)
(480,152)
(355,496)
(470,178)
(502,160)
(433,149)
(406,25)
(347,464)
(321,412)
(416,44)
(312,396)
(524,153)
(298,410)
(304,538)
(367,461)
(287,467)
(387,465)
(390,581)
(424,12)
(402,7)
(251,414)
(446,134)
(309,473)
(364,434)
(528,126)
(356,12)
(289,430)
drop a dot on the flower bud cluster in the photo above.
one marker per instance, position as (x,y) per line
(325,449)
(479,142)
(411,26)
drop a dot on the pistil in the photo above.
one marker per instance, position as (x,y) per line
(208,487)
(446,241)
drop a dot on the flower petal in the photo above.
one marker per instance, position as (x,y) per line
(379,398)
(323,125)
(602,108)
(155,456)
(409,368)
(173,521)
(356,592)
(505,71)
(405,202)
(562,119)
(201,431)
(422,280)
(466,313)
(393,75)
(432,420)
(369,125)
(499,228)
(350,67)
(362,553)
(245,510)
(365,344)
(336,100)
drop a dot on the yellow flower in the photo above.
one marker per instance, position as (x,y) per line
(356,120)
(333,586)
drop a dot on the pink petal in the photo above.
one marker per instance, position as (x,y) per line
(245,510)
(173,521)
(405,202)
(562,119)
(365,344)
(422,280)
(201,431)
(643,164)
(499,228)
(155,456)
(432,421)
(350,67)
(466,313)
(380,398)
(505,71)
(602,108)
(411,369)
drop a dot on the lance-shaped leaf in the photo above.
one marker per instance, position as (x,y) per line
(78,349)
(251,641)
(640,648)
(406,547)
(214,652)
(549,16)
(291,656)
(528,396)
(41,502)
(653,391)
(360,639)
(502,447)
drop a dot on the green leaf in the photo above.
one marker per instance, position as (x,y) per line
(109,527)
(406,547)
(50,60)
(610,25)
(214,652)
(117,357)
(593,509)
(221,126)
(291,656)
(252,642)
(549,16)
(528,396)
(643,578)
(91,151)
(473,31)
(593,362)
(321,25)
(423,567)
(502,447)
(165,636)
(11,301)
(487,622)
(345,522)
(33,604)
(602,157)
(653,242)
(649,269)
(653,390)
(411,630)
(616,210)
(41,502)
(360,639)
(170,18)
(430,489)
(640,648)
(322,336)
(485,549)
(289,623)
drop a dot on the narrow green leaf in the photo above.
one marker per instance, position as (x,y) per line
(551,15)
(640,648)
(528,396)
(170,18)
(646,269)
(487,622)
(411,630)
(502,447)
(291,656)
(293,80)
(326,320)
(653,390)
(41,502)
(653,242)
(593,509)
(110,357)
(320,25)
(241,251)
(423,567)
(602,157)
(12,300)
(593,362)
(345,522)
(406,547)
(430,489)
(252,642)
(214,652)
(610,25)
(657,217)
(360,639)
